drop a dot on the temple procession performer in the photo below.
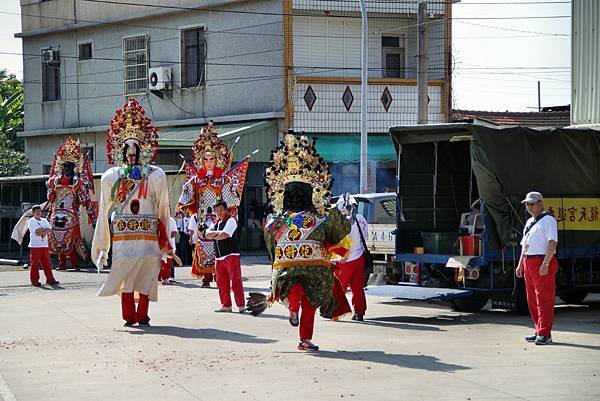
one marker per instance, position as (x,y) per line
(351,268)
(134,203)
(227,261)
(69,184)
(167,270)
(301,235)
(209,178)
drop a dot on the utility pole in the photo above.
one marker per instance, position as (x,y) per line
(422,65)
(364,94)
(539,97)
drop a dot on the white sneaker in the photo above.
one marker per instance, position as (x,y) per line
(223,309)
(242,309)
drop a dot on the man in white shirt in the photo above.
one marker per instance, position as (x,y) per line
(539,266)
(227,252)
(39,228)
(184,240)
(351,269)
(166,265)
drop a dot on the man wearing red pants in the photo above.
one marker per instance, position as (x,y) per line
(227,259)
(39,228)
(539,266)
(166,265)
(351,269)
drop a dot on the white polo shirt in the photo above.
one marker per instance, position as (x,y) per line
(37,241)
(191,227)
(357,248)
(535,242)
(172,230)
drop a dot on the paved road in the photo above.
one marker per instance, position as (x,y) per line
(67,344)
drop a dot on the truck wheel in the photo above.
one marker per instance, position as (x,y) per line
(472,303)
(572,295)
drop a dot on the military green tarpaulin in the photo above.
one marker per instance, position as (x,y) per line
(559,163)
(509,162)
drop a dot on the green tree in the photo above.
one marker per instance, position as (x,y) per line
(12,158)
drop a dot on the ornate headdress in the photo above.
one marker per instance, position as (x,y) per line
(68,152)
(296,160)
(131,122)
(209,144)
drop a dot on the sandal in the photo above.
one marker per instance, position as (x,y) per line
(307,345)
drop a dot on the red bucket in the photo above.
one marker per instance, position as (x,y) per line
(469,245)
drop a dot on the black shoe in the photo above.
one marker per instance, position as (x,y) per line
(55,282)
(358,318)
(205,285)
(38,284)
(294,319)
(129,324)
(145,323)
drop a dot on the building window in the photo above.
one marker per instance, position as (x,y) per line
(168,157)
(136,56)
(50,75)
(85,51)
(46,169)
(89,152)
(193,57)
(392,57)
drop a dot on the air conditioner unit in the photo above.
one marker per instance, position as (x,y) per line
(49,56)
(159,78)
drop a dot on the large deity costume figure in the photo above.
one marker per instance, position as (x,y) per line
(301,235)
(69,184)
(133,214)
(210,179)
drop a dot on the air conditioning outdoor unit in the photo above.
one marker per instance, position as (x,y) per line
(159,78)
(49,56)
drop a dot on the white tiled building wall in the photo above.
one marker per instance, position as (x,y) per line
(329,114)
(331,47)
(373,6)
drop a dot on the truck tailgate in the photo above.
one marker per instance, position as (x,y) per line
(417,293)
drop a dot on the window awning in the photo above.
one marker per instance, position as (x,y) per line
(346,148)
(261,135)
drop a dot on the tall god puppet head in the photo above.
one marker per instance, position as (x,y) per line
(297,177)
(131,139)
(68,160)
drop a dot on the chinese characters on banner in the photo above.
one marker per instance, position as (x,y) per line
(575,214)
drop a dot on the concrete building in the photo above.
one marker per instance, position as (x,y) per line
(323,55)
(255,67)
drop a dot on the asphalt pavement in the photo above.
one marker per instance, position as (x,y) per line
(65,343)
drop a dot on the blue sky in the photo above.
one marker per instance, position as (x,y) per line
(496,65)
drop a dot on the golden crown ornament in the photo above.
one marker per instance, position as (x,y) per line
(297,160)
(131,122)
(209,144)
(68,152)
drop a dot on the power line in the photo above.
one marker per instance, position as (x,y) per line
(293,13)
(514,30)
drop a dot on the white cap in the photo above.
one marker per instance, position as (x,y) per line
(533,197)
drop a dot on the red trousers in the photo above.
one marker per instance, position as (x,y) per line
(229,277)
(207,278)
(62,260)
(165,269)
(353,274)
(37,256)
(298,300)
(128,308)
(541,292)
